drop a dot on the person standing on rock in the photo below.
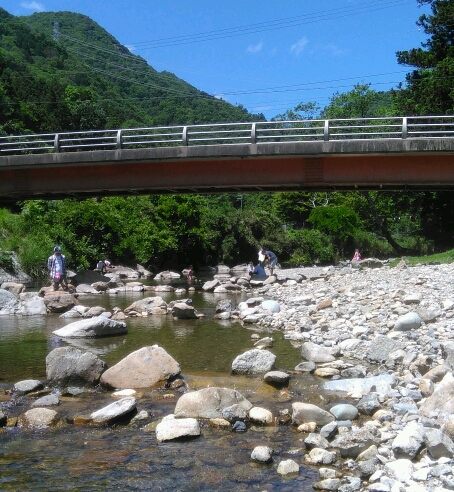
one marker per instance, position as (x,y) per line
(271,257)
(56,264)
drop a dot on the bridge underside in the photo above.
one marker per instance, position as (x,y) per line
(56,180)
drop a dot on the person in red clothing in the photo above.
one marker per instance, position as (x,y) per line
(357,255)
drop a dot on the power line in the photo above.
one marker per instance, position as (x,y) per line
(270,25)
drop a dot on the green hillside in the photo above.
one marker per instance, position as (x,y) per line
(62,71)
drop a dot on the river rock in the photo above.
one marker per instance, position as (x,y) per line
(59,302)
(31,304)
(381,346)
(94,311)
(66,366)
(439,444)
(351,444)
(47,401)
(225,305)
(271,306)
(13,287)
(115,410)
(407,322)
(287,467)
(409,441)
(307,412)
(260,416)
(37,418)
(144,368)
(278,378)
(210,285)
(86,289)
(27,386)
(383,385)
(172,428)
(441,403)
(318,456)
(266,342)
(211,403)
(149,305)
(181,310)
(316,353)
(344,411)
(253,361)
(8,302)
(262,454)
(100,326)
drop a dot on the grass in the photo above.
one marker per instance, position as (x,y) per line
(445,257)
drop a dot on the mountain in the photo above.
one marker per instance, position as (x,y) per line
(61,71)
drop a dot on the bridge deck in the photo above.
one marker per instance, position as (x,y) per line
(417,163)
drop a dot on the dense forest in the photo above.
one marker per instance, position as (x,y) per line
(62,71)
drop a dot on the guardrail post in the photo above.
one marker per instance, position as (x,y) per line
(184,136)
(253,133)
(404,127)
(119,134)
(57,143)
(326,131)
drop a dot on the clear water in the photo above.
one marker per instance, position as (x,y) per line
(125,457)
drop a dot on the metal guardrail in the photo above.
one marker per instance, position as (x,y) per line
(232,133)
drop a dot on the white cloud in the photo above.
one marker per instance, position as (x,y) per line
(33,6)
(299,46)
(130,47)
(255,48)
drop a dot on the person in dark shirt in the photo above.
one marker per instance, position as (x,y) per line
(259,270)
(272,259)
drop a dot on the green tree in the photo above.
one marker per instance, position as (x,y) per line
(360,102)
(429,88)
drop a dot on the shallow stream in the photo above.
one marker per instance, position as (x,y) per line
(126,457)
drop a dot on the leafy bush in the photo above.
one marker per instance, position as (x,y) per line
(310,246)
(371,245)
(6,261)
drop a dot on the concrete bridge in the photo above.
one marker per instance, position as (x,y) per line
(319,155)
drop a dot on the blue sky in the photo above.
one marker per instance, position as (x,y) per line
(266,55)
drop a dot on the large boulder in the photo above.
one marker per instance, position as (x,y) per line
(253,361)
(69,366)
(8,302)
(212,403)
(59,301)
(31,304)
(145,368)
(100,326)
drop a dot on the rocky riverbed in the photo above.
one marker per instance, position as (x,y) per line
(380,338)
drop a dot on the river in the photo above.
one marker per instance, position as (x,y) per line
(128,457)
